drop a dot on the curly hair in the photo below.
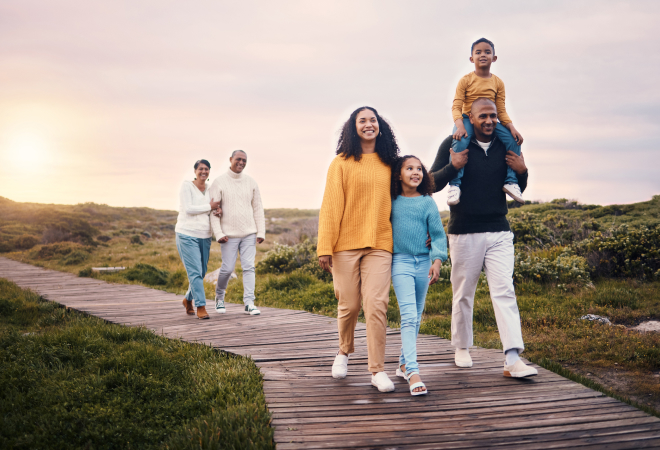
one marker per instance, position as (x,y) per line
(426,187)
(349,141)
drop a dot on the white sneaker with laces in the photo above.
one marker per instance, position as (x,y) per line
(514,192)
(453,195)
(340,366)
(252,310)
(220,306)
(519,370)
(462,358)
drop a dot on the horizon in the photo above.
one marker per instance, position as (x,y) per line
(112,103)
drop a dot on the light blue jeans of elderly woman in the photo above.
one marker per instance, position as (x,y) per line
(194,253)
(410,277)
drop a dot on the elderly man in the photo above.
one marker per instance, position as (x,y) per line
(480,236)
(240,227)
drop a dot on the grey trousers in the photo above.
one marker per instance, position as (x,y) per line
(247,248)
(494,253)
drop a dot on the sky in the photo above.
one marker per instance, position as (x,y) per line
(113,101)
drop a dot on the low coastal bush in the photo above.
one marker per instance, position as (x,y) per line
(147,274)
(74,381)
(565,268)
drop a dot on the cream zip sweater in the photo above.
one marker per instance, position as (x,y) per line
(242,211)
(194,210)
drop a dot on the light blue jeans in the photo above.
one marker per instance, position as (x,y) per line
(410,279)
(194,253)
(502,133)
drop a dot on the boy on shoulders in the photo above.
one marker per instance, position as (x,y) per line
(482,83)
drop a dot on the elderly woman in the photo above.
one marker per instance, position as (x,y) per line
(193,235)
(355,236)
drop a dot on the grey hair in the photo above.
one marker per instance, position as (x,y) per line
(234,152)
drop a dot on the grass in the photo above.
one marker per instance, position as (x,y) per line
(74,381)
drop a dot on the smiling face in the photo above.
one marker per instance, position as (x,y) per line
(202,172)
(483,55)
(484,118)
(412,173)
(238,162)
(366,124)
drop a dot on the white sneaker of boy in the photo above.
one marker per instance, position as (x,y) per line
(453,195)
(514,192)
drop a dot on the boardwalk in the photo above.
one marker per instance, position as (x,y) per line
(465,408)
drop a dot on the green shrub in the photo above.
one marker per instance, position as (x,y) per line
(86,272)
(285,258)
(104,238)
(25,242)
(60,249)
(6,247)
(632,252)
(75,257)
(147,274)
(135,239)
(178,279)
(565,268)
(616,297)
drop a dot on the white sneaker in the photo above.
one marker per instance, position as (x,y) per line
(340,366)
(252,310)
(514,192)
(519,370)
(453,195)
(382,382)
(220,306)
(462,358)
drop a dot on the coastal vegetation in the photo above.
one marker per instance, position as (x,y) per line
(571,260)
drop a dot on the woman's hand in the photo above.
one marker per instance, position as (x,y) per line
(214,204)
(434,271)
(217,212)
(326,263)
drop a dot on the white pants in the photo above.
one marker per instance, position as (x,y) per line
(494,253)
(247,248)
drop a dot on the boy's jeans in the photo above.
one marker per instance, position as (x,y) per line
(502,133)
(410,279)
(194,253)
(247,248)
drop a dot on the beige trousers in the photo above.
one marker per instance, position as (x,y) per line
(363,276)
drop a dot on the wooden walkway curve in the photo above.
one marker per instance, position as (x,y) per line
(465,408)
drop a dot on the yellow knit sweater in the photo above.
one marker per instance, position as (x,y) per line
(356,206)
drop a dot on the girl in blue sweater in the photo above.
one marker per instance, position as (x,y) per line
(414,266)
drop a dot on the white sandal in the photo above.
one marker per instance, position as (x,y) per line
(417,385)
(401,373)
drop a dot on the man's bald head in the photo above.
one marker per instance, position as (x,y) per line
(481,101)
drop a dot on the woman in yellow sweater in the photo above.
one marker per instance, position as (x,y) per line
(355,236)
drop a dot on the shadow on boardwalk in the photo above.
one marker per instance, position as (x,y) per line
(465,408)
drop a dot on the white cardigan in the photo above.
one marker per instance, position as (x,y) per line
(194,211)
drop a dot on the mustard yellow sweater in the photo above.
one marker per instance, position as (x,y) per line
(471,87)
(356,206)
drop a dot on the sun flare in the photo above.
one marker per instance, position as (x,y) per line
(27,147)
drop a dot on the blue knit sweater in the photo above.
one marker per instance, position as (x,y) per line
(412,218)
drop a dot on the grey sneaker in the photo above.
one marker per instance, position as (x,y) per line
(220,306)
(453,195)
(252,310)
